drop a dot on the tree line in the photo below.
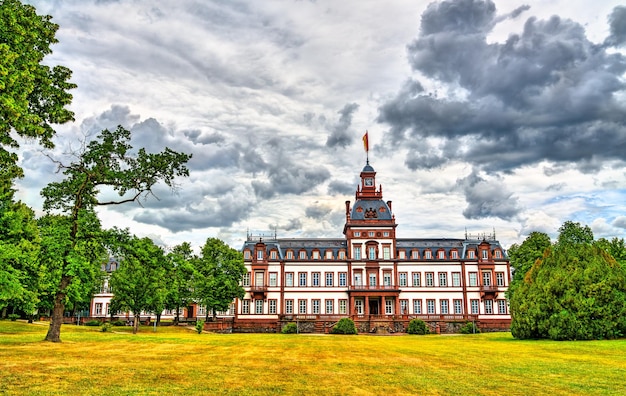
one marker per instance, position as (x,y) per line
(52,263)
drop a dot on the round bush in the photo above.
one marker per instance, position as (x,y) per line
(417,326)
(344,326)
(469,328)
(290,328)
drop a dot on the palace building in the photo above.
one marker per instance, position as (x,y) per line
(372,276)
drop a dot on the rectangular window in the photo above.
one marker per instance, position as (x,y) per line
(258,307)
(474,304)
(273,279)
(488,307)
(415,254)
(473,279)
(357,233)
(386,253)
(289,307)
(358,281)
(259,255)
(343,307)
(470,254)
(246,255)
(343,279)
(329,255)
(329,306)
(358,307)
(429,279)
(316,278)
(342,255)
(246,279)
(403,278)
(502,307)
(458,307)
(316,306)
(388,307)
(372,253)
(273,254)
(329,279)
(302,255)
(372,278)
(500,278)
(289,279)
(444,307)
(272,307)
(454,254)
(387,278)
(441,255)
(430,305)
(404,307)
(245,307)
(316,255)
(443,279)
(417,307)
(259,278)
(289,255)
(357,252)
(201,310)
(486,278)
(108,309)
(385,233)
(456,279)
(302,306)
(485,254)
(401,254)
(416,279)
(301,278)
(428,255)
(371,233)
(98,308)
(498,254)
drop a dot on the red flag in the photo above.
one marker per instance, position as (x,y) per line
(366,143)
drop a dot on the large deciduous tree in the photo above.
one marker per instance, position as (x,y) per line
(32,95)
(219,271)
(140,282)
(576,291)
(522,257)
(19,246)
(106,162)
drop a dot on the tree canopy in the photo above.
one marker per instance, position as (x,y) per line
(522,257)
(575,291)
(33,96)
(140,283)
(219,271)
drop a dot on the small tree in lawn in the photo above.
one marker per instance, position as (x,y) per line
(140,283)
(219,270)
(106,162)
(181,274)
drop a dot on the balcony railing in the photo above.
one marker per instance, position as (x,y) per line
(374,287)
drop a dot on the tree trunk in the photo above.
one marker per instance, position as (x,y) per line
(177,318)
(136,324)
(214,315)
(54,331)
(158,319)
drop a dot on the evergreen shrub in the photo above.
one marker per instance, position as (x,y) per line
(344,326)
(469,328)
(94,322)
(290,328)
(199,326)
(417,326)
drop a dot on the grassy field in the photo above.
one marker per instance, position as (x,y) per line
(178,361)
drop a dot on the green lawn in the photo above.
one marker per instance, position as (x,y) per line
(176,360)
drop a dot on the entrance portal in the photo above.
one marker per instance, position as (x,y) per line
(374,307)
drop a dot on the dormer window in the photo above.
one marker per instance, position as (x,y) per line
(302,255)
(273,254)
(485,254)
(470,254)
(428,255)
(246,255)
(498,254)
(289,255)
(259,255)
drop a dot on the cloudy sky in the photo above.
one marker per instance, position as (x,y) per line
(480,116)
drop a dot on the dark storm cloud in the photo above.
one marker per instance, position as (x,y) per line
(286,177)
(294,224)
(547,93)
(487,198)
(620,222)
(337,187)
(617,23)
(317,212)
(340,134)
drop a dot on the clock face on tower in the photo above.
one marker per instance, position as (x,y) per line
(369,181)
